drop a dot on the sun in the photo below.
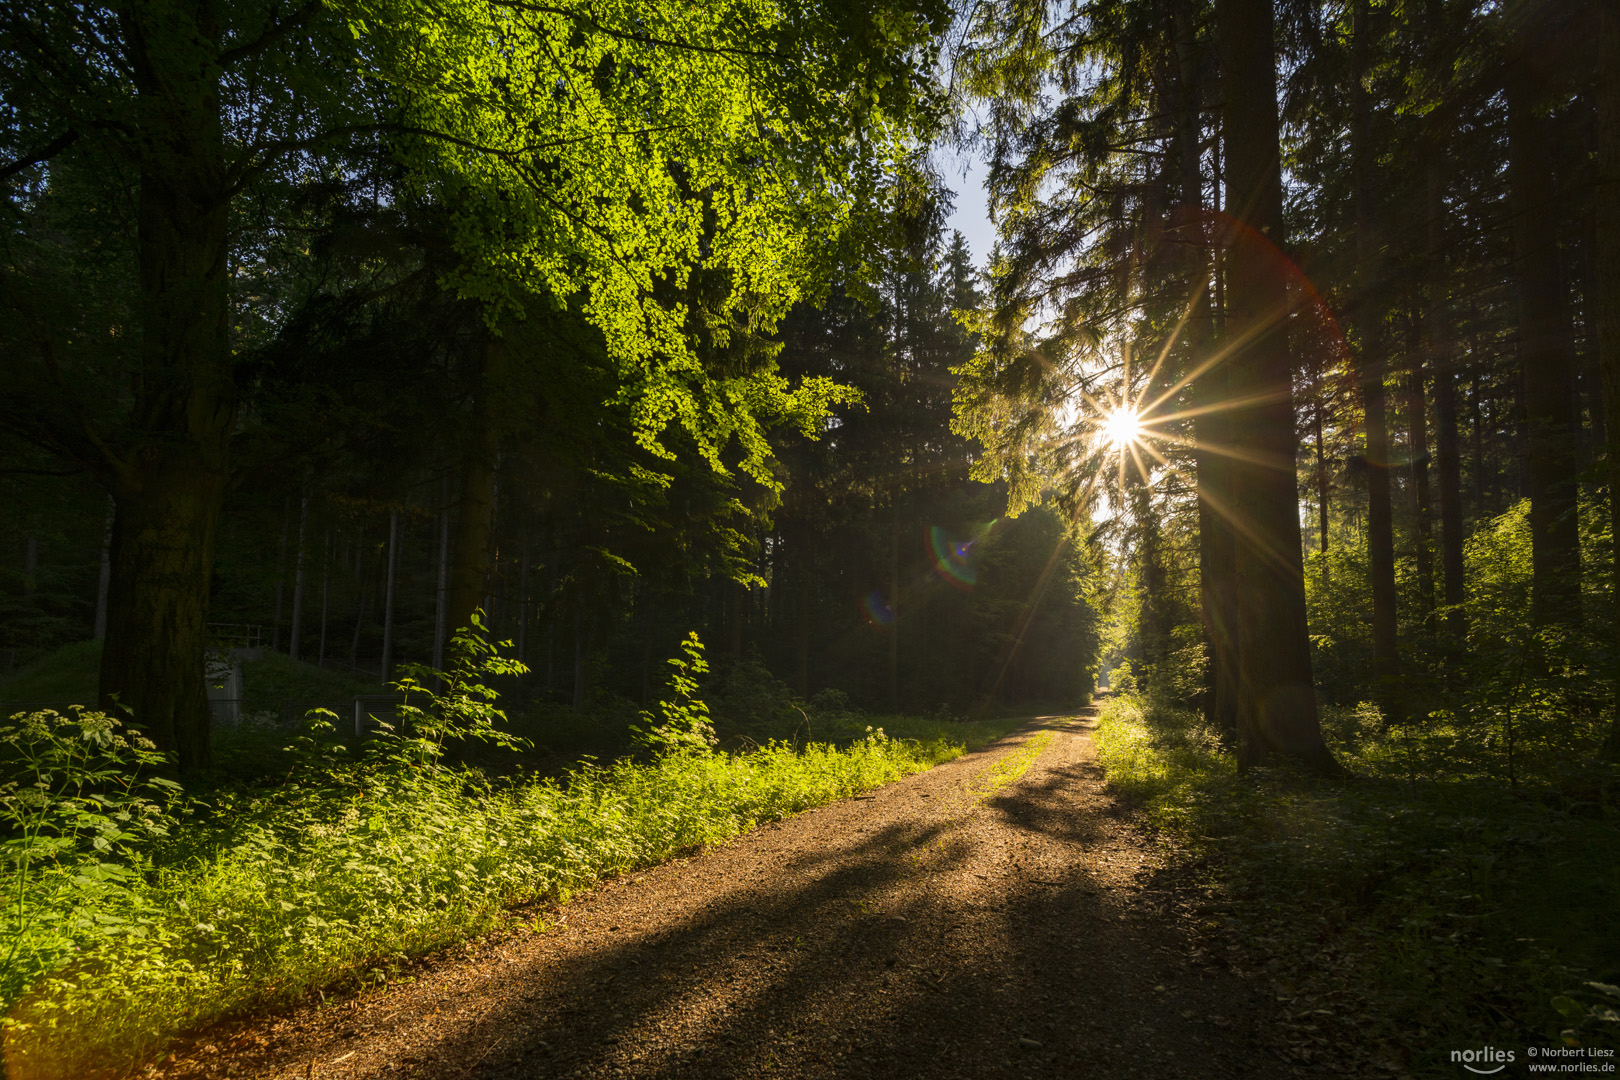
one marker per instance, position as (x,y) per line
(1121,427)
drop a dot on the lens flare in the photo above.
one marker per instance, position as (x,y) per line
(876,609)
(953,556)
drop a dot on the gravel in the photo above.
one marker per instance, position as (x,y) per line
(924,931)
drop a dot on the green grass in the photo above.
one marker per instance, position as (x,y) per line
(67,674)
(194,912)
(1424,912)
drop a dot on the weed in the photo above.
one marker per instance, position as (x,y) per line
(1414,901)
(135,914)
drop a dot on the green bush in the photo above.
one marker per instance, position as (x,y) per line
(137,917)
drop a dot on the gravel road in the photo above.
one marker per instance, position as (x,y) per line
(971,921)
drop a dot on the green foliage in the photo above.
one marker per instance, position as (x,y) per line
(685,727)
(78,818)
(64,674)
(1399,896)
(138,914)
(1517,702)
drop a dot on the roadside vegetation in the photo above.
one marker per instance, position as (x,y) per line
(1420,905)
(136,910)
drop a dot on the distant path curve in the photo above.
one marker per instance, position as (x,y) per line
(971,921)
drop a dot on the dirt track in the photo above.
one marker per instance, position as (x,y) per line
(933,929)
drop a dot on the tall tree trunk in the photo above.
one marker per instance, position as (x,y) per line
(326,593)
(105,577)
(1447,459)
(894,608)
(1321,469)
(801,636)
(1277,702)
(475,517)
(363,584)
(1547,360)
(1216,594)
(386,667)
(1606,238)
(1369,360)
(281,577)
(523,600)
(441,596)
(295,636)
(582,656)
(170,484)
(1417,441)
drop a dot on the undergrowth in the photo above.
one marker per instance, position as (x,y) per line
(133,913)
(1417,910)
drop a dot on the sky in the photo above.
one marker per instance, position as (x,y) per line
(972,215)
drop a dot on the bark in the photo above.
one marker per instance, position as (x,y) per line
(385,668)
(1417,436)
(1447,458)
(582,668)
(295,636)
(523,601)
(170,481)
(1216,596)
(441,595)
(105,577)
(1321,470)
(1606,238)
(801,637)
(326,594)
(362,605)
(1369,361)
(281,578)
(475,514)
(1277,702)
(1547,361)
(894,608)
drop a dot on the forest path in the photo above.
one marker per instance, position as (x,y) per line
(975,920)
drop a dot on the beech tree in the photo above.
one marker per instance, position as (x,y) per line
(548,134)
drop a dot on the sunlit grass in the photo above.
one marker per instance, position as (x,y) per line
(1402,897)
(258,899)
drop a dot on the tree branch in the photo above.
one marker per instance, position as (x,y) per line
(40,156)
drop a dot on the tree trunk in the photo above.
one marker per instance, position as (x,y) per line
(170,484)
(1277,702)
(295,636)
(582,667)
(1369,363)
(523,601)
(441,596)
(1417,441)
(801,637)
(1215,587)
(894,608)
(475,516)
(1547,361)
(326,593)
(1606,238)
(281,578)
(1447,458)
(363,584)
(105,577)
(386,666)
(1321,470)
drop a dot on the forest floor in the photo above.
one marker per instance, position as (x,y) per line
(1000,915)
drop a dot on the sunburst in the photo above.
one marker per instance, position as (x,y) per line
(1120,427)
